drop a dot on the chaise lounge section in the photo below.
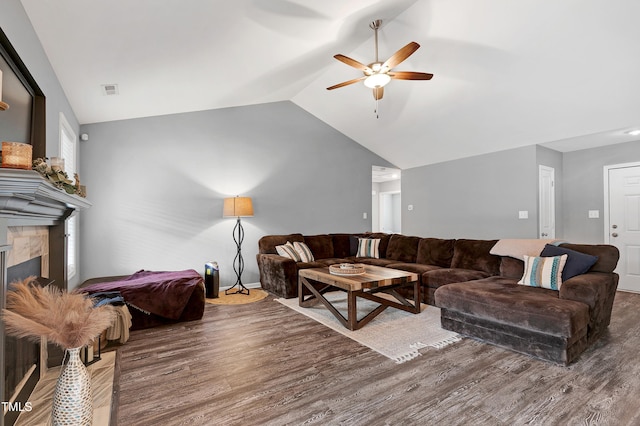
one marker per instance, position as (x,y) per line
(556,325)
(477,291)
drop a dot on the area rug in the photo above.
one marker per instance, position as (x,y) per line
(255,294)
(396,334)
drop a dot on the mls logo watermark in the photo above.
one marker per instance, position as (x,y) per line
(16,406)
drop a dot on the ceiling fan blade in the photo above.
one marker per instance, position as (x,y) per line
(378,92)
(401,55)
(410,75)
(353,63)
(346,83)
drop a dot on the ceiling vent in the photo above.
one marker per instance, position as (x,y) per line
(109,89)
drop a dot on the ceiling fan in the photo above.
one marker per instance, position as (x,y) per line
(377,74)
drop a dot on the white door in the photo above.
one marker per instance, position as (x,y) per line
(390,210)
(623,227)
(546,202)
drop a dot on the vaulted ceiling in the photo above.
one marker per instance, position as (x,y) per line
(507,73)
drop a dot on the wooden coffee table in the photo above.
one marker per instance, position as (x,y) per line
(375,280)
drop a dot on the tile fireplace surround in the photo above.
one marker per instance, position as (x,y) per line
(33,217)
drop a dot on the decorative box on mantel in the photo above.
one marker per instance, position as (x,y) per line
(26,195)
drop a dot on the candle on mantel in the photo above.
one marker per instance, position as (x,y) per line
(57,163)
(16,155)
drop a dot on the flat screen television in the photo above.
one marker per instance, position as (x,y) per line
(24,120)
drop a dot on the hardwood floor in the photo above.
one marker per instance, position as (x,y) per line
(263,364)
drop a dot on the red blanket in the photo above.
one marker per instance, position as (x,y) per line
(161,293)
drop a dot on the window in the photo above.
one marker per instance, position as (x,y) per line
(68,151)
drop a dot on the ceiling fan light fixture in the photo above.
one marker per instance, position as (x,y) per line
(377,80)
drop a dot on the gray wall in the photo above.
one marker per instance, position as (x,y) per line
(157,186)
(479,197)
(584,188)
(16,25)
(476,197)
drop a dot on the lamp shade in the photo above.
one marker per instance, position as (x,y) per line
(237,207)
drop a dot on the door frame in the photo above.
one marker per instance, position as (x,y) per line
(607,204)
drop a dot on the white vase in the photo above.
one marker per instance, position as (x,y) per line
(72,399)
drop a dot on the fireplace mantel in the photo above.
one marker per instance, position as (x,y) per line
(25,196)
(29,200)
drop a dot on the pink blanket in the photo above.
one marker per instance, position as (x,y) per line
(161,293)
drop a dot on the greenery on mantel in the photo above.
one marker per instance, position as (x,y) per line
(59,177)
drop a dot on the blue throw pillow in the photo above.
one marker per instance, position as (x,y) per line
(577,263)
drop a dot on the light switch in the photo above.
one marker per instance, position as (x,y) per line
(594,214)
(523,214)
(364,215)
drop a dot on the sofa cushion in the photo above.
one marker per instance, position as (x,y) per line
(303,251)
(502,300)
(384,241)
(545,272)
(289,251)
(607,255)
(368,247)
(312,264)
(511,267)
(402,248)
(344,245)
(333,261)
(577,263)
(439,277)
(413,267)
(320,245)
(435,251)
(474,254)
(268,243)
(373,261)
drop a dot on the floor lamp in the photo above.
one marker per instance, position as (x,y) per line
(238,207)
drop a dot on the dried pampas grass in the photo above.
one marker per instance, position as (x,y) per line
(67,319)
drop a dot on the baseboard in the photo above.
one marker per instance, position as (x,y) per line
(249,285)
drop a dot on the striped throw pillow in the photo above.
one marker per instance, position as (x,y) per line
(545,272)
(287,250)
(303,251)
(368,247)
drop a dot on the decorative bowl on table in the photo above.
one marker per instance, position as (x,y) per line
(347,269)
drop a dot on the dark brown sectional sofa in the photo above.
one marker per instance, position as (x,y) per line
(477,292)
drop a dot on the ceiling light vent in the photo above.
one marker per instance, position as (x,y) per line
(109,89)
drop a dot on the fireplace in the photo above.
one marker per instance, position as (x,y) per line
(33,217)
(22,356)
